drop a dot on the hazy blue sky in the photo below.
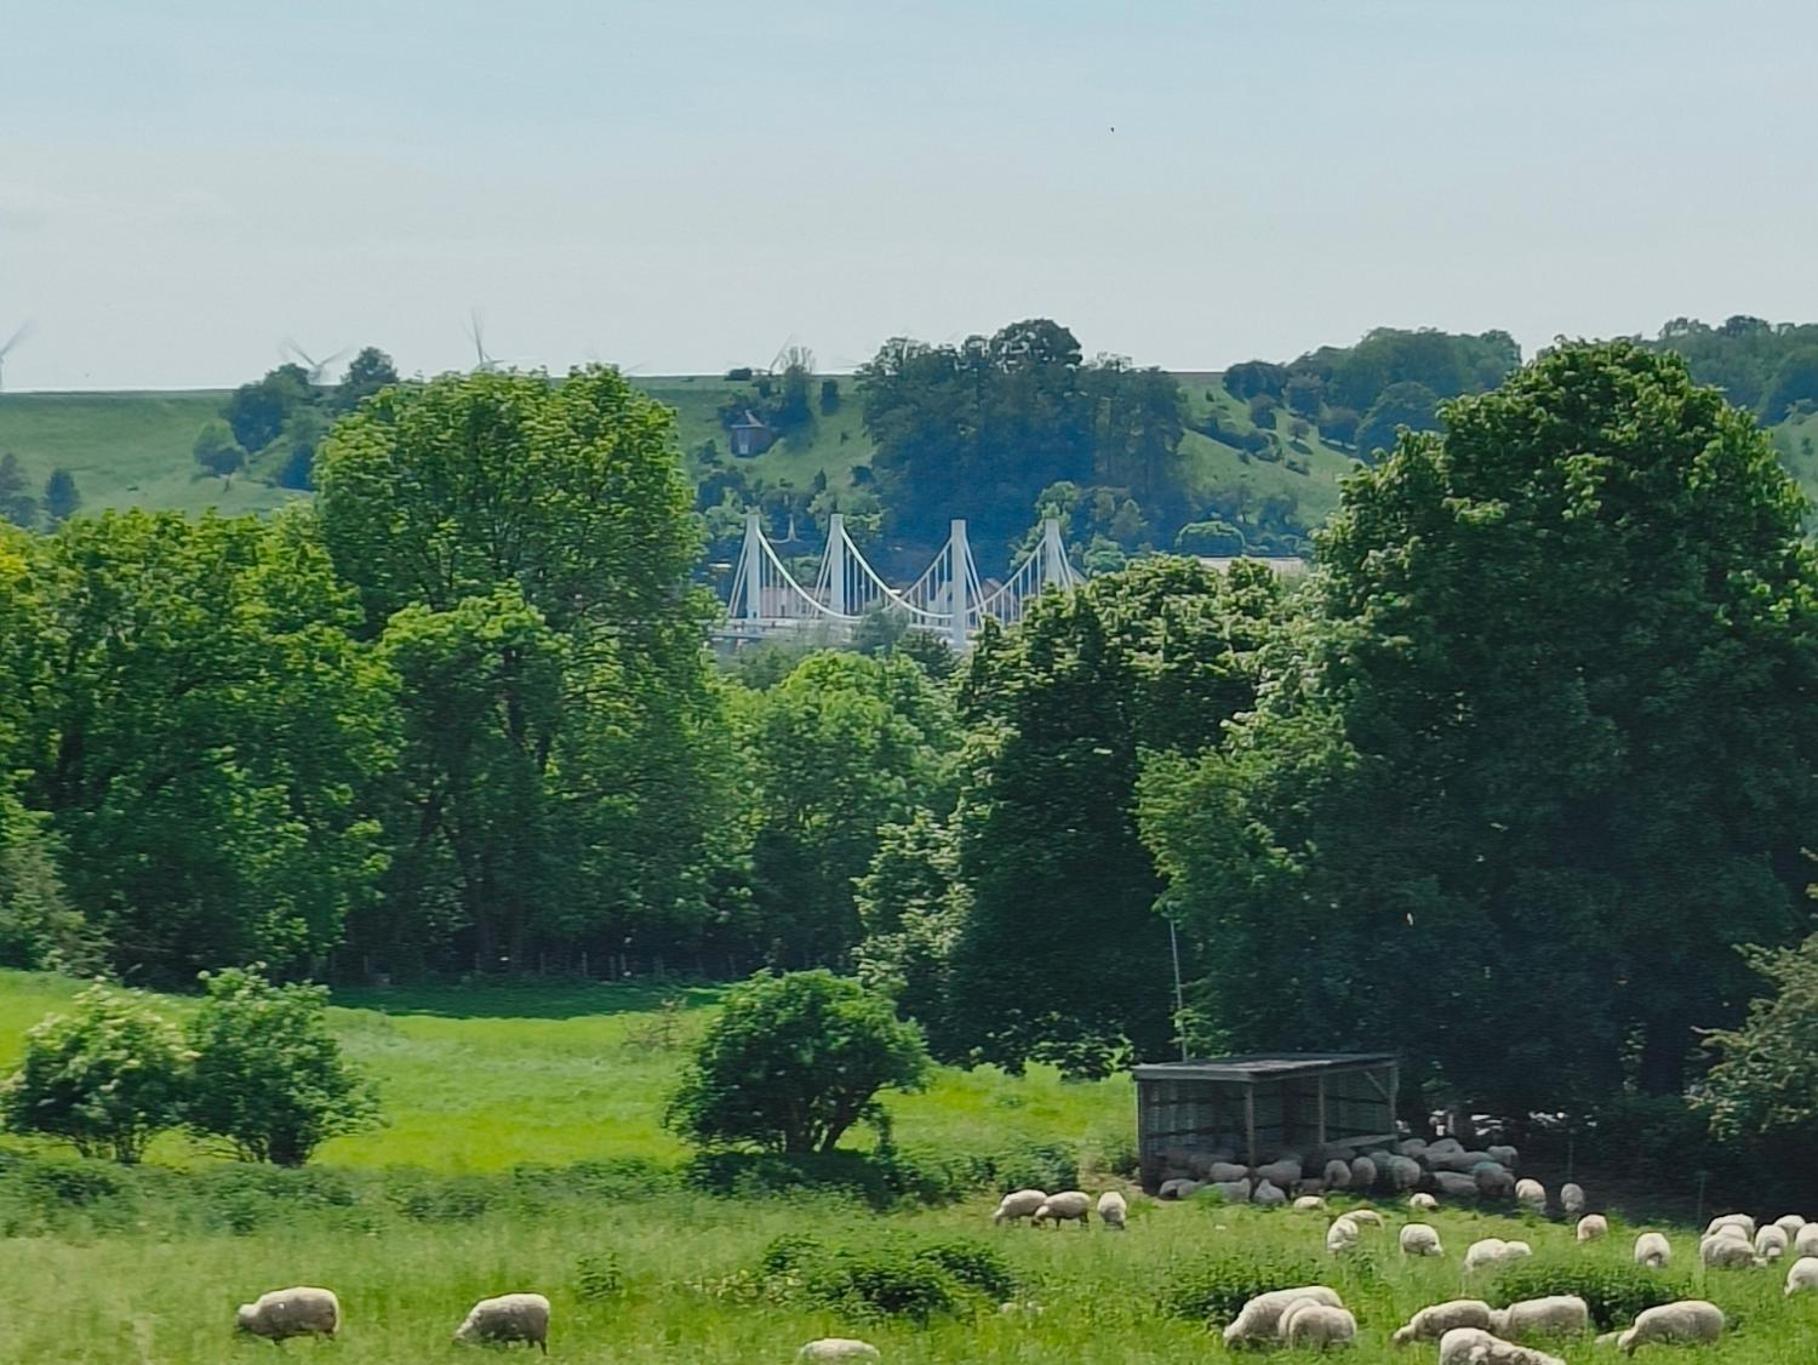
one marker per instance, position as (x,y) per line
(682,187)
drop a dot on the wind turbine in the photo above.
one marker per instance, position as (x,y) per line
(315,367)
(476,331)
(20,334)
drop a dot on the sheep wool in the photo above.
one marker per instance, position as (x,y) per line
(1504,1156)
(1401,1172)
(1806,1243)
(1420,1239)
(838,1348)
(1173,1189)
(1019,1204)
(1309,1203)
(1068,1205)
(1227,1170)
(1531,1194)
(1454,1185)
(1232,1191)
(1422,1202)
(1494,1180)
(1802,1275)
(1731,1220)
(1571,1199)
(1726,1253)
(1268,1195)
(1261,1316)
(1474,1346)
(301,1311)
(1363,1173)
(1433,1322)
(1593,1227)
(1495,1251)
(1557,1315)
(1337,1175)
(1365,1218)
(1770,1242)
(1113,1210)
(1342,1236)
(507,1318)
(1790,1224)
(1686,1322)
(1283,1172)
(1316,1326)
(1653,1251)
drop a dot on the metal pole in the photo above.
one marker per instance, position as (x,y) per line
(836,564)
(753,558)
(959,587)
(1180,1000)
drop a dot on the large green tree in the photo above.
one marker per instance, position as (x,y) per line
(1544,756)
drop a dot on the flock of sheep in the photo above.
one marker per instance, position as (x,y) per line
(307,1311)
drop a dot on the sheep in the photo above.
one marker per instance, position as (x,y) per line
(1420,1239)
(1422,1202)
(1363,1173)
(1316,1325)
(1561,1315)
(1444,1146)
(1454,1185)
(301,1311)
(1571,1199)
(1770,1243)
(1401,1172)
(1504,1156)
(1065,1206)
(1461,1163)
(1531,1194)
(1802,1275)
(1733,1231)
(1689,1320)
(1283,1172)
(1806,1242)
(1220,1171)
(1232,1191)
(1790,1224)
(1173,1189)
(1433,1322)
(509,1317)
(1494,1251)
(838,1348)
(1260,1316)
(1022,1204)
(1726,1253)
(1309,1203)
(1412,1147)
(1593,1227)
(1653,1251)
(1267,1195)
(1338,1175)
(1474,1346)
(1731,1220)
(1113,1210)
(1342,1236)
(1494,1181)
(1365,1218)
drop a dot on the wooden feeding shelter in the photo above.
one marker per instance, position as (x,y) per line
(1251,1109)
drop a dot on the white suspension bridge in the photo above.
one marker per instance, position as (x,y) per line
(948,600)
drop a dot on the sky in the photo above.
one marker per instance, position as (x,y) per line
(681,187)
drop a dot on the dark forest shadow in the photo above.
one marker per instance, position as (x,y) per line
(524,998)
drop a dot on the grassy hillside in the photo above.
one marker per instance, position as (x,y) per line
(495,1095)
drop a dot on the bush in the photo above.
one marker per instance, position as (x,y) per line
(974,1265)
(886,1282)
(269,1076)
(598,1277)
(1216,1290)
(106,1078)
(897,1278)
(1615,1291)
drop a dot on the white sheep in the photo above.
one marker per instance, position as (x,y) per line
(1531,1194)
(1019,1204)
(301,1311)
(1400,1172)
(1559,1315)
(1689,1320)
(1731,1220)
(1593,1227)
(1454,1185)
(1494,1180)
(1790,1224)
(1337,1175)
(1422,1202)
(1771,1242)
(1227,1170)
(1802,1275)
(1726,1253)
(1316,1326)
(1342,1236)
(838,1348)
(1309,1203)
(1571,1199)
(1433,1322)
(507,1318)
(1474,1346)
(1653,1251)
(1494,1251)
(1175,1189)
(1232,1191)
(1732,1230)
(1068,1205)
(1283,1172)
(1363,1173)
(1113,1209)
(1504,1156)
(1806,1242)
(1268,1195)
(1261,1316)
(1365,1218)
(1420,1239)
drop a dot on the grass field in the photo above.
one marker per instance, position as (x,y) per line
(524,1153)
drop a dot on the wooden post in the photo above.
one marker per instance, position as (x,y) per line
(1394,1096)
(1250,1119)
(1322,1108)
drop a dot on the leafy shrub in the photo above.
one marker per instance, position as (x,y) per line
(974,1265)
(889,1283)
(897,1278)
(1216,1289)
(598,1276)
(1033,1166)
(1615,1291)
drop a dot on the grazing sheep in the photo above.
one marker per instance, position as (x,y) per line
(1283,1172)
(301,1311)
(838,1348)
(1268,1195)
(1504,1156)
(1593,1227)
(1771,1243)
(1420,1239)
(1689,1320)
(1363,1173)
(1726,1253)
(1023,1204)
(1400,1172)
(1531,1194)
(1806,1242)
(1558,1315)
(1460,1163)
(1261,1316)
(1113,1210)
(1227,1170)
(1342,1236)
(1802,1275)
(1317,1326)
(1494,1181)
(1232,1191)
(1309,1203)
(507,1318)
(1474,1346)
(1790,1224)
(1068,1205)
(1338,1175)
(1174,1189)
(1572,1200)
(1365,1218)
(1733,1231)
(1444,1146)
(1455,1186)
(1731,1220)
(1422,1202)
(1653,1251)
(1494,1251)
(1433,1322)
(1412,1147)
